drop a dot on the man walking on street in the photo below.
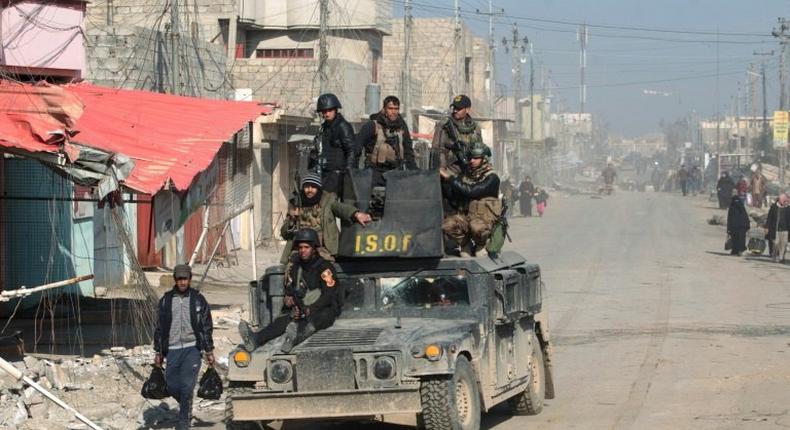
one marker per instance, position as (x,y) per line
(184,329)
(683,178)
(778,223)
(336,154)
(312,301)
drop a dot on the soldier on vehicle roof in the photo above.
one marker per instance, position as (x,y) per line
(386,141)
(312,301)
(453,136)
(316,208)
(475,196)
(336,154)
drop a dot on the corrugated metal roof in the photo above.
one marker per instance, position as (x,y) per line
(170,138)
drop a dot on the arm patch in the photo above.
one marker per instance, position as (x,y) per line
(328,278)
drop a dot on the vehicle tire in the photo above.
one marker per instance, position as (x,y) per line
(451,403)
(530,401)
(229,423)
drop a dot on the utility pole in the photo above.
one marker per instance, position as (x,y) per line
(491,57)
(457,38)
(175,67)
(515,45)
(583,37)
(781,33)
(718,113)
(764,135)
(406,73)
(323,52)
(531,96)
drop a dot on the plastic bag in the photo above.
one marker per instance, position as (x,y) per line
(155,387)
(210,385)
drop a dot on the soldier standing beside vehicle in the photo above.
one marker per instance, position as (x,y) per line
(311,299)
(184,329)
(454,136)
(475,194)
(386,142)
(316,208)
(336,154)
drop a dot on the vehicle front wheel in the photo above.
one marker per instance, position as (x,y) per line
(451,402)
(530,401)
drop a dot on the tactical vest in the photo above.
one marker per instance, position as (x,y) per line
(485,208)
(310,217)
(384,154)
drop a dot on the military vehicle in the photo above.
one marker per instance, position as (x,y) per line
(422,339)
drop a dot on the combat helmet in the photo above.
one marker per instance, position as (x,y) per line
(327,101)
(306,235)
(478,149)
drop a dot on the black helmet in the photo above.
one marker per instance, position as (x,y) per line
(478,150)
(306,235)
(327,101)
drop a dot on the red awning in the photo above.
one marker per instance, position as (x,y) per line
(170,138)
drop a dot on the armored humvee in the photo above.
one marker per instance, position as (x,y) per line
(422,339)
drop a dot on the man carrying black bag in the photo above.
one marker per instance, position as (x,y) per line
(184,329)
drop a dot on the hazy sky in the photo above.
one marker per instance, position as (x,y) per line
(677,68)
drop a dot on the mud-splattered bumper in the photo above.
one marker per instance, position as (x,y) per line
(268,406)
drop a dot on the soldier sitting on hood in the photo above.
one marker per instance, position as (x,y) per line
(386,141)
(474,195)
(317,209)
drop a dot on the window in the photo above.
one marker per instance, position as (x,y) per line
(284,53)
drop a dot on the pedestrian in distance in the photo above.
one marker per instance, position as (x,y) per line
(183,330)
(777,224)
(737,225)
(683,178)
(724,188)
(526,191)
(541,200)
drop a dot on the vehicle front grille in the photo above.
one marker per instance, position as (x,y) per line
(343,337)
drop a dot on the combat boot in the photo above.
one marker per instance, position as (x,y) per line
(289,337)
(247,335)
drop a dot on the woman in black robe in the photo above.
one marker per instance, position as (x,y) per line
(737,225)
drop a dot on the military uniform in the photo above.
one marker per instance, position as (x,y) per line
(387,146)
(313,286)
(466,131)
(337,154)
(318,215)
(476,195)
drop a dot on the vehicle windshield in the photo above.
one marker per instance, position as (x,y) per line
(367,294)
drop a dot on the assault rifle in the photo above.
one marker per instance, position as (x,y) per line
(456,148)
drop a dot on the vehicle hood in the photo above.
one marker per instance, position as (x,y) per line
(381,333)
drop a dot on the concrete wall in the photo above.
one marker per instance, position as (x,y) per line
(139,58)
(433,63)
(40,35)
(305,13)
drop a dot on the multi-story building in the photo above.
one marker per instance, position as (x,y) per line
(443,63)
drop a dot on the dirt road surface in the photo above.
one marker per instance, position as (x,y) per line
(655,326)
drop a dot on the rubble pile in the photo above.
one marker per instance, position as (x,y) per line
(105,388)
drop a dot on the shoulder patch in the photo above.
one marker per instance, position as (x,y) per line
(328,278)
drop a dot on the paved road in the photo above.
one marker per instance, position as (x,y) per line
(654,326)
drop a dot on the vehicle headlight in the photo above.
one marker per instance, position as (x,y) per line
(241,358)
(281,371)
(384,368)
